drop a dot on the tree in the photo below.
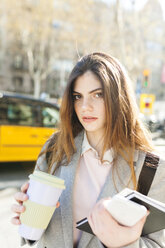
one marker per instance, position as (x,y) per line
(47,30)
(32,24)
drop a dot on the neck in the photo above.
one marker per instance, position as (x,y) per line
(96,141)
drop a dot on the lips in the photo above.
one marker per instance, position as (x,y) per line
(89,118)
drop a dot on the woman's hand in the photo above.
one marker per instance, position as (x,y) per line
(20,197)
(109,231)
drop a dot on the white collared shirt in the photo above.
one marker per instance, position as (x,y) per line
(108,155)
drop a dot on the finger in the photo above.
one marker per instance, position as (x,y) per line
(20,197)
(143,219)
(91,223)
(58,204)
(93,218)
(24,187)
(18,209)
(16,220)
(137,228)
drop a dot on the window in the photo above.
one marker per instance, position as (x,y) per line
(50,117)
(28,112)
(18,83)
(21,114)
(18,62)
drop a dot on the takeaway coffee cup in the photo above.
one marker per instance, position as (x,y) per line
(43,192)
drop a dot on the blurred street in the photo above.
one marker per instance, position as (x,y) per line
(12,177)
(160,146)
(9,237)
(40,43)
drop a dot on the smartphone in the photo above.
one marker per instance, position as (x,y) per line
(124,211)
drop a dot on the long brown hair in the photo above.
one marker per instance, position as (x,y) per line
(124,131)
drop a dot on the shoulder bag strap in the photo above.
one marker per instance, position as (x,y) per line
(147,173)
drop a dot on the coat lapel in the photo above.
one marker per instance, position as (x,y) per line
(109,189)
(66,199)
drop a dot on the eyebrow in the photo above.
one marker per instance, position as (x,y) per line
(89,91)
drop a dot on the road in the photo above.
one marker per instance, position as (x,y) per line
(12,177)
(160,146)
(14,174)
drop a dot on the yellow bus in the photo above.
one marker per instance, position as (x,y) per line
(25,125)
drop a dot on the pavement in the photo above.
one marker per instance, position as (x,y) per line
(159,144)
(9,237)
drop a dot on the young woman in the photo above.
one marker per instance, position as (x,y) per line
(99,150)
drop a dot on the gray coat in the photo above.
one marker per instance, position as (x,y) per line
(59,233)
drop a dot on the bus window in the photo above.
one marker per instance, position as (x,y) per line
(50,117)
(21,114)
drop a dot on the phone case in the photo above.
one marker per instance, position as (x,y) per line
(126,212)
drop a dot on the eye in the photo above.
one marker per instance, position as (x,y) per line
(99,95)
(76,97)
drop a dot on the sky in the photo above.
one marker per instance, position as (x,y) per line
(138,4)
(162,2)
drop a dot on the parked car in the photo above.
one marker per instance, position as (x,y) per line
(25,124)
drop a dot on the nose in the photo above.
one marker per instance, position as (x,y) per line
(86,104)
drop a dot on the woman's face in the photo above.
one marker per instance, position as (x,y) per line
(89,103)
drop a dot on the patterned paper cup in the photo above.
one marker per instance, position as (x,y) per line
(43,192)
